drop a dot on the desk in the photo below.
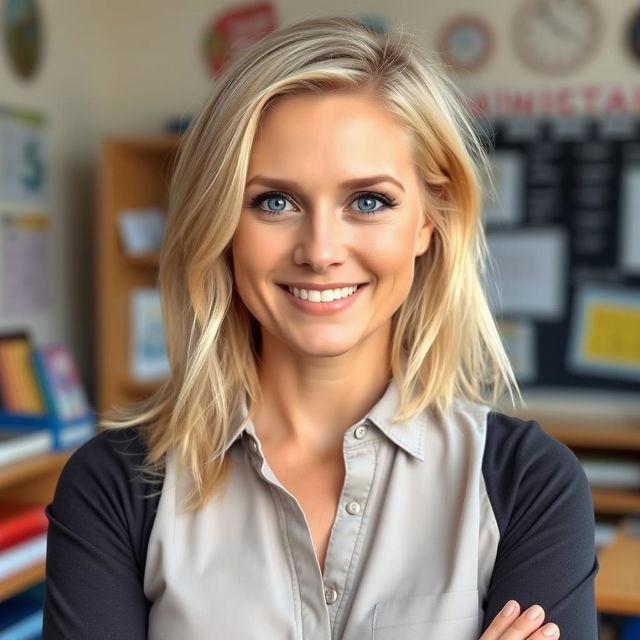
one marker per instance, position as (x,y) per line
(618,580)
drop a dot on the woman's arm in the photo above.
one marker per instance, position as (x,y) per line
(96,544)
(542,503)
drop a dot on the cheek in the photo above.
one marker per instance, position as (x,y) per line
(391,248)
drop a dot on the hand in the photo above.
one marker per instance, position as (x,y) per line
(509,625)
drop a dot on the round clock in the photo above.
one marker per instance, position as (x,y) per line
(633,36)
(557,36)
(465,42)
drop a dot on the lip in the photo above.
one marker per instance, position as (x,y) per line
(318,286)
(323,308)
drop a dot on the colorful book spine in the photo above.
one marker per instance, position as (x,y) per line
(21,391)
(23,555)
(21,616)
(19,522)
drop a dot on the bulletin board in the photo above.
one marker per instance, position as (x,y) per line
(563,233)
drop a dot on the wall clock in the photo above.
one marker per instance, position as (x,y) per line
(633,36)
(465,42)
(557,36)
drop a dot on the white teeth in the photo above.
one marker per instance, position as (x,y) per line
(326,295)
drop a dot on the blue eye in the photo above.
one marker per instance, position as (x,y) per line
(277,203)
(368,204)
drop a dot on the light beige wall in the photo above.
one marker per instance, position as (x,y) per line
(158,70)
(66,89)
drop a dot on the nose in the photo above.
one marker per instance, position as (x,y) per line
(322,240)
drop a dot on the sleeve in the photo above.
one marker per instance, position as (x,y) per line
(542,502)
(99,524)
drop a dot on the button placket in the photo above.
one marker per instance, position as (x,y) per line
(348,531)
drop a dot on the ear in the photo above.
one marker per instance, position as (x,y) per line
(423,239)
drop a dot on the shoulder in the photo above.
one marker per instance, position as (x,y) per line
(526,470)
(107,451)
(103,491)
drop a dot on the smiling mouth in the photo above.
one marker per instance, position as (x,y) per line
(322,295)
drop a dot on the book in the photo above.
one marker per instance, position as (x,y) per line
(58,377)
(609,471)
(20,521)
(21,615)
(18,444)
(149,361)
(19,388)
(67,414)
(141,230)
(22,555)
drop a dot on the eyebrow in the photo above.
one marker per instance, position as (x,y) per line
(279,183)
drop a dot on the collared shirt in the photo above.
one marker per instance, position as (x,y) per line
(439,523)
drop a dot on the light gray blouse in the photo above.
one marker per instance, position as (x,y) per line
(410,553)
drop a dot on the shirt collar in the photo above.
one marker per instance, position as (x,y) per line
(407,434)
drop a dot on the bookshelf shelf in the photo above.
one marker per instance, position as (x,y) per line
(616,501)
(144,261)
(622,436)
(33,481)
(618,580)
(30,468)
(22,581)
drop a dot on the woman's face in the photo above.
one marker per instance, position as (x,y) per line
(332,201)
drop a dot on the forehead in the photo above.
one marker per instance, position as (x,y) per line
(328,134)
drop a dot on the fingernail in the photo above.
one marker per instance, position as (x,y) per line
(533,612)
(550,630)
(508,608)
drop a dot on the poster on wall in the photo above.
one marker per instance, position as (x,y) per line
(604,332)
(234,30)
(23,36)
(22,152)
(527,272)
(25,275)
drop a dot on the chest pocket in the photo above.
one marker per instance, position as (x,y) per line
(454,615)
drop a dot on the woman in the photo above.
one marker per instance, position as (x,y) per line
(323,461)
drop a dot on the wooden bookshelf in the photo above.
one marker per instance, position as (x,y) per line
(135,173)
(618,580)
(32,481)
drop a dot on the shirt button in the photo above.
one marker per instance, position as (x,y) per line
(330,596)
(360,432)
(254,446)
(353,508)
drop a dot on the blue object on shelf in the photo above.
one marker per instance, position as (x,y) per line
(21,615)
(630,629)
(66,434)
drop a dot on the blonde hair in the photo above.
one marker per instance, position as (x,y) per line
(445,342)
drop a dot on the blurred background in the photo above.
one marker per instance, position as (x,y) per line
(93,98)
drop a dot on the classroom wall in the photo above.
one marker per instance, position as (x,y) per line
(143,97)
(66,88)
(119,67)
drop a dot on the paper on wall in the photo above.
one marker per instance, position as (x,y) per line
(629,230)
(605,332)
(527,272)
(519,339)
(26,283)
(505,206)
(22,152)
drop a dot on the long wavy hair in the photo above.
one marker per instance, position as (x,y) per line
(445,343)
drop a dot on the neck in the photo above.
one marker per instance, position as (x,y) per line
(308,402)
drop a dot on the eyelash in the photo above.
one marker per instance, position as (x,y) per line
(386,201)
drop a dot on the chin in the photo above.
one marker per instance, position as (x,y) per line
(324,349)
